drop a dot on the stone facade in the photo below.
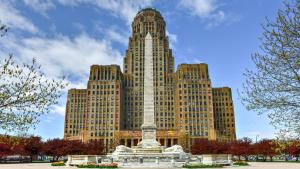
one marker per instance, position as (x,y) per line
(224,114)
(112,107)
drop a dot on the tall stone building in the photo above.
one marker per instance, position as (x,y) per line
(224,114)
(186,105)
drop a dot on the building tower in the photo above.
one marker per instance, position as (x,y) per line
(148,20)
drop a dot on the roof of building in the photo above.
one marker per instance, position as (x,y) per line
(148,9)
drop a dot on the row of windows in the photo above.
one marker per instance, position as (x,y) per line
(104,86)
(223,126)
(219,93)
(197,109)
(102,110)
(101,134)
(222,104)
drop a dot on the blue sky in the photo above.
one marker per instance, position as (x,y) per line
(67,36)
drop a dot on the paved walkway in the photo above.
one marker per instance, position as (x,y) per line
(253,165)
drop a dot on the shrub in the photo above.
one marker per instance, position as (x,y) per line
(202,166)
(112,165)
(59,163)
(241,163)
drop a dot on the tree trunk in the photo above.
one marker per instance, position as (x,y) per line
(297,158)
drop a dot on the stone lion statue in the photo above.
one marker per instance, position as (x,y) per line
(123,149)
(175,148)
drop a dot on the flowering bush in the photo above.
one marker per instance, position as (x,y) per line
(202,166)
(93,165)
(59,163)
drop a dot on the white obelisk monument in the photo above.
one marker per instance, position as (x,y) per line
(149,126)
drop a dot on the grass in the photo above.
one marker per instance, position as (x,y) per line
(241,163)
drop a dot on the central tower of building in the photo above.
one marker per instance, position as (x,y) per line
(149,20)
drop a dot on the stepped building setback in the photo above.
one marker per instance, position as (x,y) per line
(186,106)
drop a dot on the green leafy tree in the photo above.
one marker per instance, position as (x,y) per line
(274,88)
(25,93)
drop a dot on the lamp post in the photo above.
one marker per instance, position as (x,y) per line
(256,145)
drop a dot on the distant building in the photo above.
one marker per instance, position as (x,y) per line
(187,107)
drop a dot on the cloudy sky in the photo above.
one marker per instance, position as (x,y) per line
(67,36)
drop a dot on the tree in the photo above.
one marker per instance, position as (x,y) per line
(25,93)
(241,147)
(205,146)
(267,148)
(32,146)
(5,150)
(274,88)
(294,149)
(282,145)
(55,148)
(60,147)
(94,147)
(74,147)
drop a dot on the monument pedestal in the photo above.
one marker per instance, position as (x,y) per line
(139,150)
(148,137)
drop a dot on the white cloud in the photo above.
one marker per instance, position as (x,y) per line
(14,19)
(125,10)
(201,8)
(64,55)
(59,109)
(116,36)
(205,9)
(41,6)
(172,39)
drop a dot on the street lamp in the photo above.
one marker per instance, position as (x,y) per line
(256,143)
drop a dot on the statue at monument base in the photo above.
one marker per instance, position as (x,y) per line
(175,151)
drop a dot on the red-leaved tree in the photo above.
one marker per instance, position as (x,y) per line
(205,146)
(294,149)
(32,146)
(5,150)
(241,148)
(94,147)
(55,148)
(266,148)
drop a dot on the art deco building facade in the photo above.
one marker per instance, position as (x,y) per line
(187,107)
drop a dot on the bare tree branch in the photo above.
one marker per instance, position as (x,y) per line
(274,87)
(25,93)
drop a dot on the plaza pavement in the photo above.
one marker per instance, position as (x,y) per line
(253,165)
